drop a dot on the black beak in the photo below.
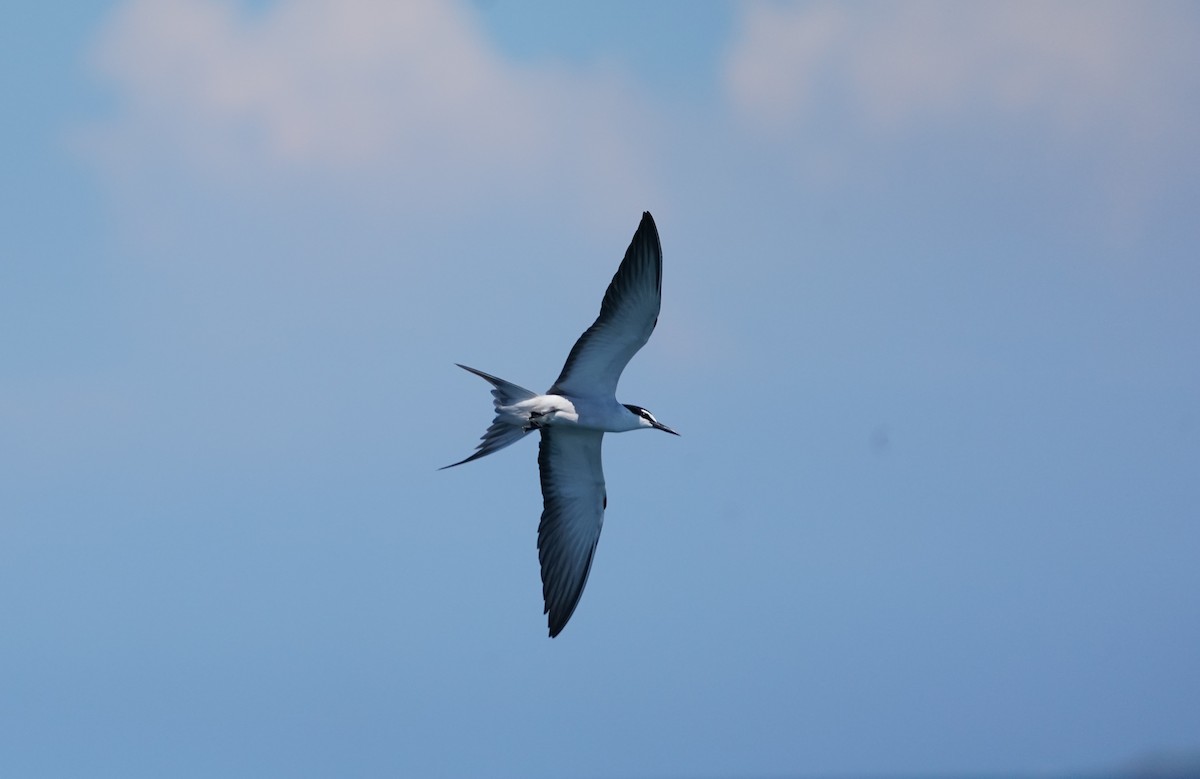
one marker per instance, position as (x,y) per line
(664,428)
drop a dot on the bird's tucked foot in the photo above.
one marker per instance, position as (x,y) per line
(535,422)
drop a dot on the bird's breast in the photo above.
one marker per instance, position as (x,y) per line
(610,416)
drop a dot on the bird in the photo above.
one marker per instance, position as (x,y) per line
(572,418)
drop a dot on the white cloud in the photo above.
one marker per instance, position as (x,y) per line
(903,65)
(1108,87)
(410,92)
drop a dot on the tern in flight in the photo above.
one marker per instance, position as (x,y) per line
(573,416)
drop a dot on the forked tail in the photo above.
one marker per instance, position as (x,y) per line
(504,429)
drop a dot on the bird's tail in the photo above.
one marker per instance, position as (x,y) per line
(505,429)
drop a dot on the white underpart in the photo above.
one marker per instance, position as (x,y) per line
(608,416)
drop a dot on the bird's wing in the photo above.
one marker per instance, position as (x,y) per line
(573,511)
(627,318)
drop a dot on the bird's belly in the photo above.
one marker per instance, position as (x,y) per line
(543,410)
(594,417)
(558,411)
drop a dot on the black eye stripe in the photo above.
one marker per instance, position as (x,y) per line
(641,412)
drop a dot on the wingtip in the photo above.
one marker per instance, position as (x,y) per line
(648,230)
(553,624)
(556,621)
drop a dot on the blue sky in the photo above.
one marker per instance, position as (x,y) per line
(931,297)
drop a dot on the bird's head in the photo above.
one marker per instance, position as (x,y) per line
(646,419)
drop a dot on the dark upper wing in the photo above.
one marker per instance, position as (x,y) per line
(573,500)
(627,317)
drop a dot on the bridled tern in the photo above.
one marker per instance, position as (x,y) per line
(573,416)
